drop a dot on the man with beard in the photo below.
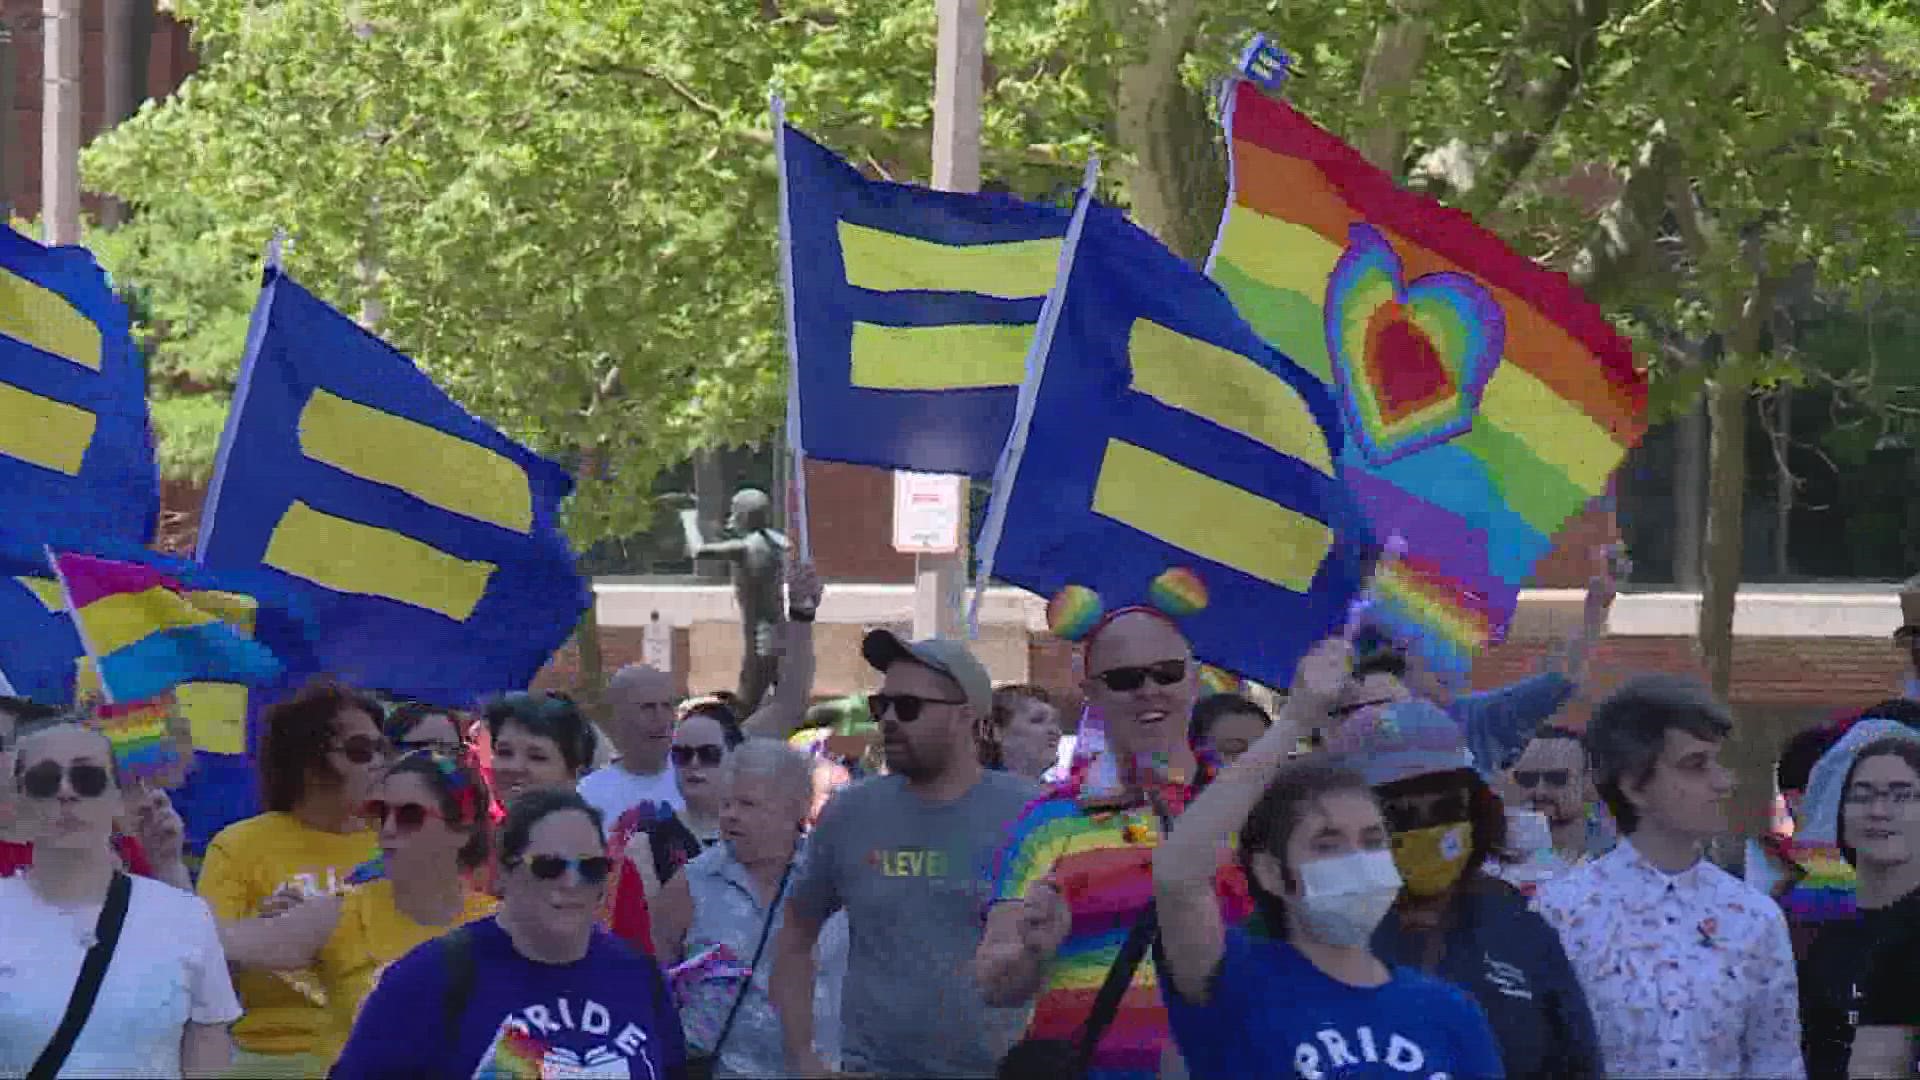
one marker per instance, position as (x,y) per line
(906,855)
(1551,777)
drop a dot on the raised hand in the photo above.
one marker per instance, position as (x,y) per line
(804,589)
(1324,672)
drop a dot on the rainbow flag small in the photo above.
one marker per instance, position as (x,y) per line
(515,1055)
(1826,892)
(1486,400)
(149,746)
(374,869)
(147,633)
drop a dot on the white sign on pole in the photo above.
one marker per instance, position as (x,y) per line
(656,645)
(926,513)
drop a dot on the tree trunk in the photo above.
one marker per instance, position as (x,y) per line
(1178,176)
(593,663)
(1689,496)
(116,43)
(1782,479)
(1726,493)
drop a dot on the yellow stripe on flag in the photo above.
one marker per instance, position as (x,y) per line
(217,715)
(1222,386)
(113,622)
(890,262)
(44,432)
(1556,430)
(970,356)
(45,591)
(346,556)
(1280,254)
(1210,518)
(42,318)
(433,466)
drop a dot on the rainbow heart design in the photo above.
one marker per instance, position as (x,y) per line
(1411,359)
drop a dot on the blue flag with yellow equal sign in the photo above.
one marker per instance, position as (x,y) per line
(427,543)
(76,449)
(911,314)
(1168,456)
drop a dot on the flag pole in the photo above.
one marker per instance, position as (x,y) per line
(79,627)
(796,443)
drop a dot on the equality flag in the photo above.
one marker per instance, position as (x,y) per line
(38,646)
(910,312)
(76,449)
(426,544)
(1166,455)
(1486,400)
(145,635)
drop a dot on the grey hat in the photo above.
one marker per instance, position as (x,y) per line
(884,648)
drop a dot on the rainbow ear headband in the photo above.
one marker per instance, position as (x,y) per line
(1076,613)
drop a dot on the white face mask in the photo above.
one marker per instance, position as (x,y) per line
(1343,898)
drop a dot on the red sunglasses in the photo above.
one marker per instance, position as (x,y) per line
(407,817)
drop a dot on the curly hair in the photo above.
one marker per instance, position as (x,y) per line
(298,733)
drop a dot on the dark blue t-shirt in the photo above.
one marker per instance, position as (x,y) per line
(606,1015)
(1272,1013)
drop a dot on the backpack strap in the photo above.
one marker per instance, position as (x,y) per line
(457,948)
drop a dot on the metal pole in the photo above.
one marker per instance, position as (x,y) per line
(60,123)
(940,580)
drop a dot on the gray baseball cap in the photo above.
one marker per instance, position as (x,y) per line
(884,648)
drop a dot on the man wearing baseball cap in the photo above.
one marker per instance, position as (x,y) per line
(907,856)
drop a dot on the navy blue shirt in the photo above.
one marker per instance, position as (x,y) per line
(606,1014)
(1271,1013)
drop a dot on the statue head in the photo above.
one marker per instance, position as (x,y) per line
(751,510)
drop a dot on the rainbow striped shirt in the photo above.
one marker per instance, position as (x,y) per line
(1102,862)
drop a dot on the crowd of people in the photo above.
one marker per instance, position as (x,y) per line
(1381,878)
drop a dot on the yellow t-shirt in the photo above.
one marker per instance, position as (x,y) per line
(372,934)
(250,861)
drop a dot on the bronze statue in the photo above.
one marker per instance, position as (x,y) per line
(758,553)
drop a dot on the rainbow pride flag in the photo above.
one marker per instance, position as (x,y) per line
(150,745)
(1486,400)
(147,634)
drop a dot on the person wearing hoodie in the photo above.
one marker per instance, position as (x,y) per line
(1453,919)
(1861,797)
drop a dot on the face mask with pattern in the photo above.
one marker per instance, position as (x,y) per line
(1431,860)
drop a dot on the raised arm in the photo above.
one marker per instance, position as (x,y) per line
(699,547)
(1192,931)
(786,708)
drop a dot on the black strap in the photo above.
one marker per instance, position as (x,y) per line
(766,930)
(86,989)
(1106,1004)
(457,947)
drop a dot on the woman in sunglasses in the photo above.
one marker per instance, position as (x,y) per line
(723,908)
(416,725)
(539,989)
(430,812)
(274,881)
(161,1004)
(657,839)
(1453,920)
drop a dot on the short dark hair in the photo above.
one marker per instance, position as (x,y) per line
(722,713)
(297,734)
(1900,746)
(1793,770)
(1208,711)
(1295,787)
(408,715)
(464,799)
(24,711)
(1899,710)
(1629,728)
(1485,813)
(553,716)
(1381,662)
(530,808)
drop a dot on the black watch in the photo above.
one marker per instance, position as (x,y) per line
(795,614)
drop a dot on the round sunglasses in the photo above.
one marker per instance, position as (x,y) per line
(592,869)
(407,817)
(42,781)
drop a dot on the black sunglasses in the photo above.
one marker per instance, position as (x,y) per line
(709,755)
(1533,778)
(593,869)
(904,707)
(1121,680)
(361,749)
(43,780)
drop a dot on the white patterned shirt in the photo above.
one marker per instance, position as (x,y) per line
(1688,975)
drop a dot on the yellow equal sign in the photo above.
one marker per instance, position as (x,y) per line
(36,315)
(1227,388)
(41,431)
(961,356)
(347,556)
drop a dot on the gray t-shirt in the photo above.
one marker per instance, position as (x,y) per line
(915,878)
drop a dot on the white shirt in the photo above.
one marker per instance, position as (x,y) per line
(613,790)
(167,971)
(1687,975)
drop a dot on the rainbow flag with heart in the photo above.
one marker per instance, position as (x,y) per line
(1486,400)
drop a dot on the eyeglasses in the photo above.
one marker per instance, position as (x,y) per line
(362,749)
(592,869)
(43,780)
(904,707)
(1121,680)
(407,817)
(1533,778)
(709,755)
(1899,795)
